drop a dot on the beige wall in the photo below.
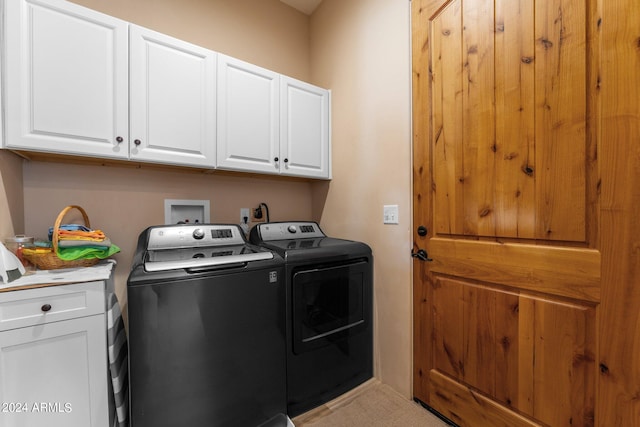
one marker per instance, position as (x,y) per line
(11,196)
(124,201)
(357,48)
(360,49)
(267,33)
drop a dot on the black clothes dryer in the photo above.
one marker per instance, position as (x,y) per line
(329,304)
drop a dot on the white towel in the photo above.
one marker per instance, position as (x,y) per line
(118,359)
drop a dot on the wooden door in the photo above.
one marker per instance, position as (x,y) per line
(531,264)
(526,136)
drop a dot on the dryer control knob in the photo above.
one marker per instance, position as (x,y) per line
(198,233)
(292,229)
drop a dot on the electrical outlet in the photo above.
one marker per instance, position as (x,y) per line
(390,214)
(244,213)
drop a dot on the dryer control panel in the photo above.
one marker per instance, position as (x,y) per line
(288,230)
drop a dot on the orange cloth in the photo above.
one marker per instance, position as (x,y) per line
(94,236)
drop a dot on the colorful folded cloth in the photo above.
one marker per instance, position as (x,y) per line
(96,235)
(105,243)
(69,227)
(71,254)
(36,251)
(77,241)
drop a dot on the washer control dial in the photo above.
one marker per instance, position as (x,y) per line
(292,229)
(198,234)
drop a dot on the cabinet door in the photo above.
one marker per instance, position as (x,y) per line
(172,100)
(55,374)
(248,117)
(304,129)
(66,79)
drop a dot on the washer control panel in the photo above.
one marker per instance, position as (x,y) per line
(289,230)
(190,236)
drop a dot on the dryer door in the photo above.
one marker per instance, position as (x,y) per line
(330,303)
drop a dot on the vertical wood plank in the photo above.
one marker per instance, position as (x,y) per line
(447,92)
(619,327)
(526,354)
(479,118)
(422,12)
(594,122)
(560,67)
(448,324)
(564,359)
(479,338)
(515,119)
(507,348)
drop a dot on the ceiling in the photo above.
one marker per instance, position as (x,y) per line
(304,6)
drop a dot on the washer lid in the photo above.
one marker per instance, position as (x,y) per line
(198,261)
(174,247)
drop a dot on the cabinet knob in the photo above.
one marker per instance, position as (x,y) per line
(119,139)
(46,307)
(286,160)
(137,142)
(276,159)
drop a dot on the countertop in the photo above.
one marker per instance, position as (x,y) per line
(43,278)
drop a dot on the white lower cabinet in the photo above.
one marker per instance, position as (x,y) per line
(53,357)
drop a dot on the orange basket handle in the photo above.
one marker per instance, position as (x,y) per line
(56,226)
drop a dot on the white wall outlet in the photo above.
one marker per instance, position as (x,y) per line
(390,214)
(245,213)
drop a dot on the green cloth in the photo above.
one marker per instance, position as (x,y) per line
(71,254)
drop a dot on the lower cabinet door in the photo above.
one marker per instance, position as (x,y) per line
(55,374)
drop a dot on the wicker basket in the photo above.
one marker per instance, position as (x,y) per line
(50,260)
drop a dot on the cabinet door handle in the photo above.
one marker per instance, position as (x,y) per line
(286,160)
(119,139)
(276,159)
(46,307)
(137,142)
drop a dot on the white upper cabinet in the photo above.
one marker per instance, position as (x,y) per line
(304,129)
(172,100)
(248,117)
(66,79)
(83,83)
(271,123)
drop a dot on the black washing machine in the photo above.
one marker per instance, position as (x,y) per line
(329,304)
(206,329)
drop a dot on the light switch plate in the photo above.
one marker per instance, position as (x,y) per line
(390,214)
